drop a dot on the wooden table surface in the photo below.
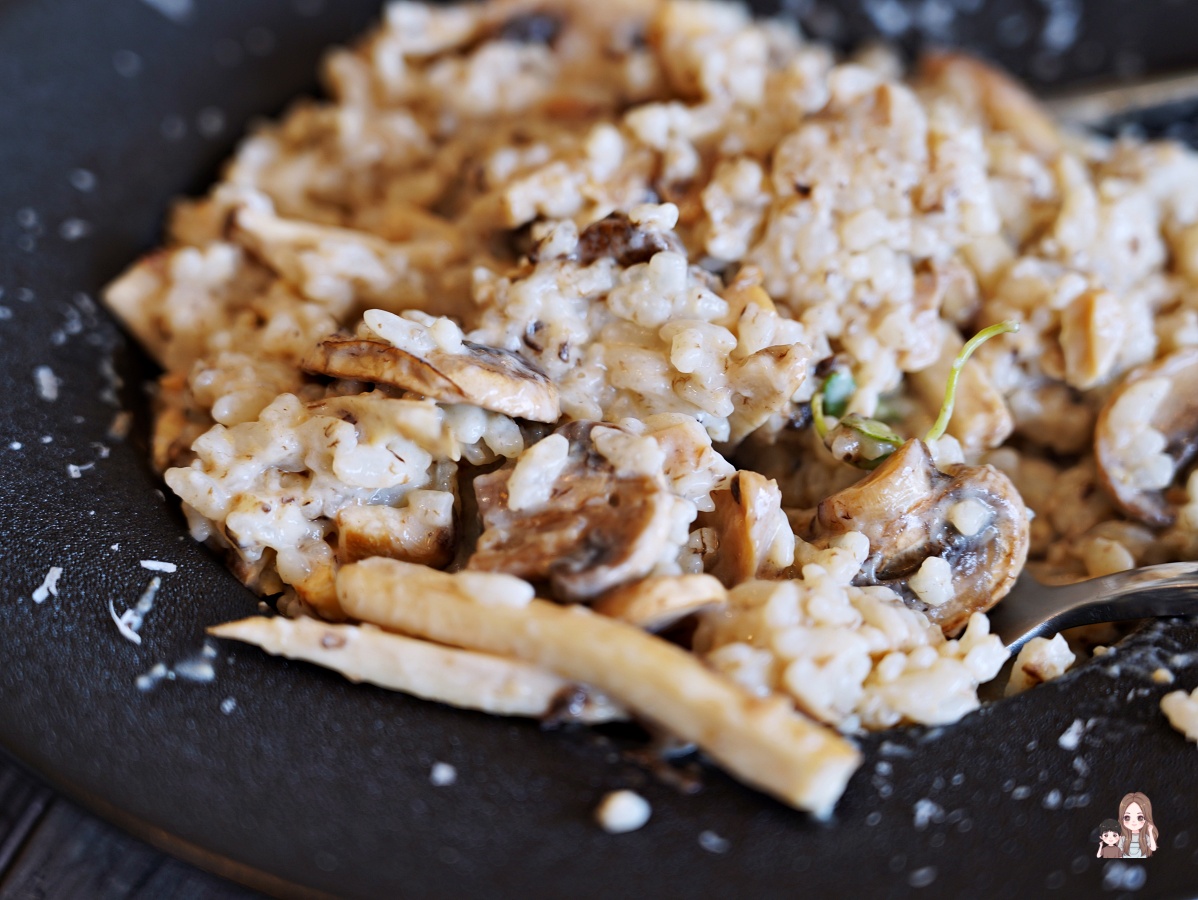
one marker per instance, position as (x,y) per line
(51,849)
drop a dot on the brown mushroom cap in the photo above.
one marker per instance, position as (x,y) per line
(1176,417)
(616,237)
(598,529)
(489,377)
(904,506)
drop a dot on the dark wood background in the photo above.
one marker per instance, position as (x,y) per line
(50,849)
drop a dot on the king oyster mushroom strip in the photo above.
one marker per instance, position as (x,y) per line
(532,260)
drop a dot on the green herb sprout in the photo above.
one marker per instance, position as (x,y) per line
(834,394)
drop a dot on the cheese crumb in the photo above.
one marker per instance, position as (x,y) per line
(155,566)
(442,775)
(129,622)
(49,585)
(47,382)
(622,811)
(713,843)
(1072,735)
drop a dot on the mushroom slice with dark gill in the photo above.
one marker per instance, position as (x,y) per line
(617,237)
(589,529)
(969,517)
(1147,433)
(489,377)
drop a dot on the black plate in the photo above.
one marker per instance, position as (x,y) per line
(106,111)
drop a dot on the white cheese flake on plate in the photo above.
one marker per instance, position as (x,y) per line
(178,11)
(198,668)
(151,678)
(155,565)
(49,585)
(130,621)
(1072,735)
(47,383)
(442,774)
(713,843)
(622,811)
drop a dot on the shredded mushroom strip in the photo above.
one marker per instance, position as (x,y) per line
(503,687)
(761,740)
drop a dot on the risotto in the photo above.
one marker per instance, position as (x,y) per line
(572,361)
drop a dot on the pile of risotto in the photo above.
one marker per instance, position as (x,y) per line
(572,360)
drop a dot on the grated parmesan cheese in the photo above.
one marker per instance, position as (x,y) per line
(442,775)
(49,585)
(197,668)
(713,843)
(47,383)
(156,566)
(622,811)
(130,621)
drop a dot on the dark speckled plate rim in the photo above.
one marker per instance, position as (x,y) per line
(49,685)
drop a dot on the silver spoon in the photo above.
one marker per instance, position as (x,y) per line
(1096,104)
(1033,609)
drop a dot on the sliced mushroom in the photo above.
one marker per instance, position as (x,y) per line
(1146,433)
(970,517)
(752,530)
(616,237)
(595,529)
(1092,336)
(420,532)
(659,601)
(494,379)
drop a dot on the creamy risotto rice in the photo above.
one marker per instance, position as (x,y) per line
(644,307)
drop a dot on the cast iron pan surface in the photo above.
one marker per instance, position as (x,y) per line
(288,778)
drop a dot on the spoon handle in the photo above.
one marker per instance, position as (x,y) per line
(1095,105)
(1033,609)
